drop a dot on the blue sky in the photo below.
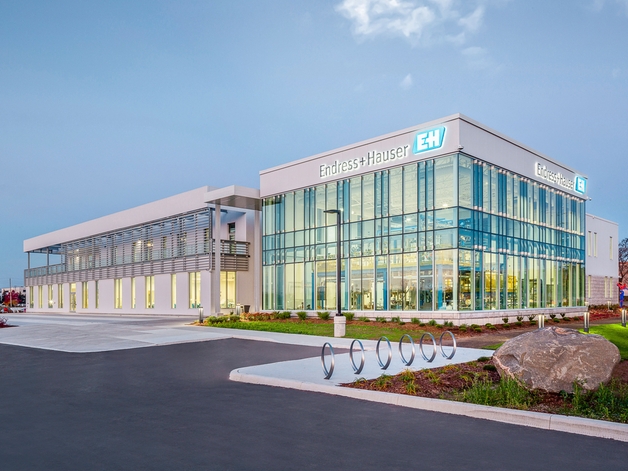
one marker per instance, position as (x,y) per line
(108,105)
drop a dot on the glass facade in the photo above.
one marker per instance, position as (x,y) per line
(451,233)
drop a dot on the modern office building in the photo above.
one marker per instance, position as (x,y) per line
(602,269)
(445,220)
(170,256)
(448,220)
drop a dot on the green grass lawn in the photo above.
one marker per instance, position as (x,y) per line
(614,333)
(393,332)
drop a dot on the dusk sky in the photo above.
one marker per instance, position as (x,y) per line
(109,105)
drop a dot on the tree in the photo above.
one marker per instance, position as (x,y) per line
(622,256)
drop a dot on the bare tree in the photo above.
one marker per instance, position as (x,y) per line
(622,256)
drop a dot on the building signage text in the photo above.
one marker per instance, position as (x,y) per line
(559,179)
(370,159)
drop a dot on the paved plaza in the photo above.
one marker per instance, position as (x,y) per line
(152,393)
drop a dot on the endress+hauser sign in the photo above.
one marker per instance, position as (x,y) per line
(579,185)
(423,142)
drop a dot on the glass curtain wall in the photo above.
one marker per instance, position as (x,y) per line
(452,233)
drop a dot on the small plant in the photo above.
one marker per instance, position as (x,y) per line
(395,319)
(302,315)
(488,324)
(432,322)
(519,318)
(433,377)
(531,317)
(489,367)
(505,319)
(477,329)
(563,314)
(474,326)
(492,327)
(484,359)
(506,326)
(411,388)
(448,324)
(552,316)
(283,315)
(383,381)
(349,315)
(415,320)
(324,315)
(462,328)
(407,375)
(421,324)
(380,319)
(556,320)
(364,319)
(519,323)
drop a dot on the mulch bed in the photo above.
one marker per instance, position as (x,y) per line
(449,381)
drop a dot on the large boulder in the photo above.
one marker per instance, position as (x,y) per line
(552,359)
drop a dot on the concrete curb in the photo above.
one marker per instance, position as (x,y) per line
(560,423)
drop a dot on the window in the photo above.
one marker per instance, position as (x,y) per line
(31,297)
(227,289)
(589,243)
(40,297)
(133,293)
(173,291)
(589,286)
(51,301)
(610,248)
(195,289)
(117,293)
(595,244)
(60,296)
(85,295)
(150,292)
(96,295)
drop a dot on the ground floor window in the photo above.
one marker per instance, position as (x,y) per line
(96,295)
(133,293)
(451,279)
(51,301)
(40,297)
(227,289)
(117,293)
(173,291)
(194,289)
(60,296)
(85,295)
(150,292)
(31,299)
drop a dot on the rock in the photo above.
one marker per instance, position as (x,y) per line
(552,359)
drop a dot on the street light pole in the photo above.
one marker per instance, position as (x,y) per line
(339,319)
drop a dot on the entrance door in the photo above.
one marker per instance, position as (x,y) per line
(72,297)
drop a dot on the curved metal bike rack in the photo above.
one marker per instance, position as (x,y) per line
(430,359)
(330,371)
(379,360)
(356,369)
(440,344)
(403,359)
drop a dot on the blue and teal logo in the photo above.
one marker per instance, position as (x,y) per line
(581,185)
(429,140)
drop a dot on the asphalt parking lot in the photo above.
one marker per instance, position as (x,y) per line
(173,407)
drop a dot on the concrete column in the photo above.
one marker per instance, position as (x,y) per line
(215,285)
(257,262)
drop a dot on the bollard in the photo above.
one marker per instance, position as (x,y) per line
(200,314)
(623,318)
(541,321)
(586,322)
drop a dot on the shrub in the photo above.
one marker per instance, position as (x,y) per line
(519,323)
(324,315)
(531,317)
(302,315)
(348,315)
(364,319)
(492,327)
(489,367)
(552,315)
(462,329)
(474,326)
(395,319)
(505,326)
(505,319)
(477,329)
(448,324)
(380,319)
(519,318)
(563,314)
(432,322)
(415,320)
(556,320)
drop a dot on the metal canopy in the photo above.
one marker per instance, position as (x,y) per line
(235,197)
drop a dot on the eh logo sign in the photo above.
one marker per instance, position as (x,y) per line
(429,140)
(581,185)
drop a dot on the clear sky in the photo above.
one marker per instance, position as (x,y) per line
(108,105)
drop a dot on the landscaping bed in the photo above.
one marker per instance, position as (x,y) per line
(361,328)
(478,382)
